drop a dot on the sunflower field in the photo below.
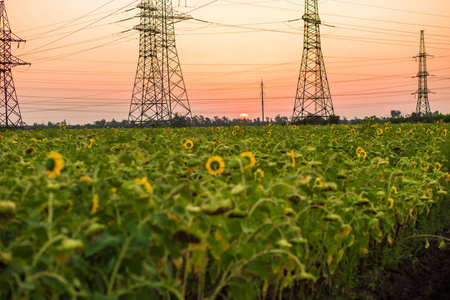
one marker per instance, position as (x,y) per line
(218,213)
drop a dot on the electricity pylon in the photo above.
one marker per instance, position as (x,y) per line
(10,116)
(159,95)
(423,105)
(313,98)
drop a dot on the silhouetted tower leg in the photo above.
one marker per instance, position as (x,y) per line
(313,98)
(423,105)
(159,92)
(10,116)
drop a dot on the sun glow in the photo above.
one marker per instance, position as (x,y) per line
(243,116)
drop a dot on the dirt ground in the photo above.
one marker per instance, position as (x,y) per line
(426,276)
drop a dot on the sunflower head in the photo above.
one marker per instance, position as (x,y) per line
(30,150)
(54,164)
(259,174)
(251,159)
(7,210)
(391,203)
(145,185)
(215,165)
(188,144)
(94,208)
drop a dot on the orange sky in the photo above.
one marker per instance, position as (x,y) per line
(83,65)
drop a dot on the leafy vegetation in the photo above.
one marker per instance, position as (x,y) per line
(237,212)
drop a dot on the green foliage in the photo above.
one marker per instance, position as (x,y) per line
(135,213)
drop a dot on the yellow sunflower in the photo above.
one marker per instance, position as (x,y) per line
(144,182)
(437,166)
(86,178)
(188,144)
(379,131)
(251,158)
(215,165)
(361,153)
(391,203)
(259,174)
(318,181)
(292,158)
(394,189)
(54,164)
(94,205)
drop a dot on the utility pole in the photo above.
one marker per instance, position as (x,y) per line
(159,95)
(10,116)
(423,105)
(262,99)
(313,97)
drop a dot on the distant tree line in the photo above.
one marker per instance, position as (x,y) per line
(201,121)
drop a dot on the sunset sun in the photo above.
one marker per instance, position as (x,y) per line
(243,116)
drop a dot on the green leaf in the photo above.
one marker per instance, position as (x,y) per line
(99,296)
(105,240)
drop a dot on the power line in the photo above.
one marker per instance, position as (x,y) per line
(392,9)
(74,20)
(80,29)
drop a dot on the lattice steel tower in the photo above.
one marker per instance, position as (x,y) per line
(423,105)
(313,98)
(10,116)
(159,91)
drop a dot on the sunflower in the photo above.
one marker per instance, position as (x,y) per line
(54,164)
(90,144)
(86,178)
(188,144)
(292,158)
(215,165)
(318,181)
(437,166)
(251,159)
(259,174)
(7,210)
(391,203)
(379,131)
(144,182)
(361,153)
(94,205)
(394,189)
